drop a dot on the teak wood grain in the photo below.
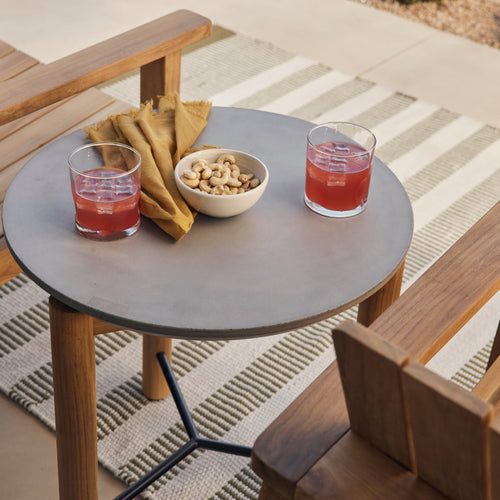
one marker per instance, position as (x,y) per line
(92,66)
(354,469)
(74,380)
(370,371)
(311,424)
(488,388)
(51,125)
(154,385)
(495,350)
(161,77)
(449,427)
(5,48)
(13,63)
(372,307)
(494,434)
(448,294)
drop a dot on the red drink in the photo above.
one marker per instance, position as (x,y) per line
(337,176)
(104,202)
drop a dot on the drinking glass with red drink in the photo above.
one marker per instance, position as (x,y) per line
(338,169)
(106,184)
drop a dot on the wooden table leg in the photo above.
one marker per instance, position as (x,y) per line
(157,78)
(375,305)
(154,385)
(73,362)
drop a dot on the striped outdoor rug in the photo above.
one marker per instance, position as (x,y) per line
(450,166)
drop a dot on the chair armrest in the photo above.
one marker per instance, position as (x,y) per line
(47,84)
(434,308)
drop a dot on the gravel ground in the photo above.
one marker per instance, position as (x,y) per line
(478,20)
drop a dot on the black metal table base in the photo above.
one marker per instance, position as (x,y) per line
(195,441)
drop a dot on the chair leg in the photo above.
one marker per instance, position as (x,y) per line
(73,362)
(8,266)
(154,385)
(267,493)
(372,307)
(160,77)
(495,350)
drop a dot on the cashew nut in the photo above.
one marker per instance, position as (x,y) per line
(217,190)
(232,182)
(219,181)
(206,173)
(199,165)
(190,174)
(235,171)
(192,183)
(223,177)
(245,177)
(205,186)
(226,158)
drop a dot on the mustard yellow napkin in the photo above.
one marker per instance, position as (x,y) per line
(162,138)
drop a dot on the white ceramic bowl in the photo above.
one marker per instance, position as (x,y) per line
(222,205)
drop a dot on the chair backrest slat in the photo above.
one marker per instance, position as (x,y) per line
(370,370)
(449,427)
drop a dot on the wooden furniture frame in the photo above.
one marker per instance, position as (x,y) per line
(403,411)
(292,454)
(39,103)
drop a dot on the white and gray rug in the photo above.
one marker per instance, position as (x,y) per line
(450,166)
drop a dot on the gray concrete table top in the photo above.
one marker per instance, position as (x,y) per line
(276,267)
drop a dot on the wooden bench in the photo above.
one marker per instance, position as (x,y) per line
(299,454)
(39,103)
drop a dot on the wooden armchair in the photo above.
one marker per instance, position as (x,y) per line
(426,424)
(397,417)
(39,103)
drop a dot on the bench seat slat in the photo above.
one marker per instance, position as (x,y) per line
(50,126)
(14,63)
